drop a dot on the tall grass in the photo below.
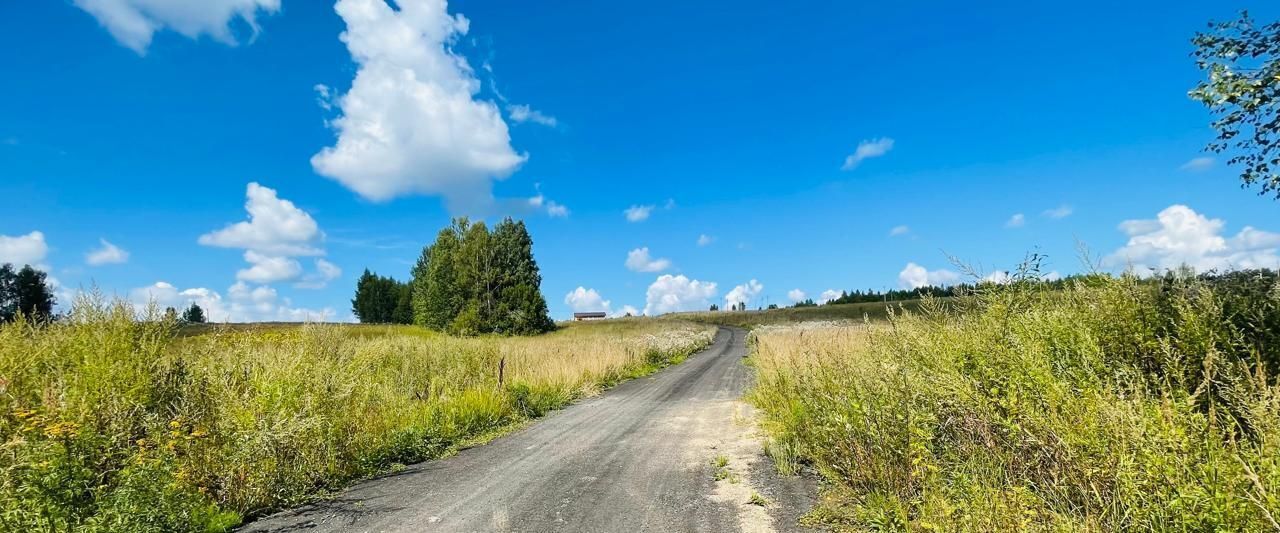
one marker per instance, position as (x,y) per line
(1116,404)
(111,423)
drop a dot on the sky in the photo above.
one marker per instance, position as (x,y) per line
(255,156)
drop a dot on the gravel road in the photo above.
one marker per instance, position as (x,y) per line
(637,458)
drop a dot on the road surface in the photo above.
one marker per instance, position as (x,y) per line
(637,458)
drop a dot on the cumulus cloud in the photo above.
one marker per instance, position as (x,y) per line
(275,227)
(1198,164)
(521,113)
(29,249)
(999,277)
(866,150)
(583,300)
(638,213)
(1016,221)
(669,294)
(828,295)
(743,294)
(134,22)
(244,303)
(638,260)
(276,232)
(411,123)
(914,276)
(705,240)
(626,310)
(899,231)
(796,295)
(1060,212)
(1181,236)
(106,254)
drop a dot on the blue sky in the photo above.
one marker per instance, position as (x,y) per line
(144,124)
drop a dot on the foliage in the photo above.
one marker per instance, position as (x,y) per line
(26,292)
(1109,404)
(381,300)
(1240,59)
(113,423)
(193,315)
(472,281)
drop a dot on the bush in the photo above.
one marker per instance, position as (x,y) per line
(1116,404)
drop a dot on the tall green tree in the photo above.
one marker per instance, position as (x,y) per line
(437,295)
(25,291)
(381,300)
(472,280)
(1242,91)
(194,315)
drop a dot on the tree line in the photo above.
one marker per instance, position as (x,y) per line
(471,280)
(25,292)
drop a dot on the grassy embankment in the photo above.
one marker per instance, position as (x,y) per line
(108,423)
(1117,405)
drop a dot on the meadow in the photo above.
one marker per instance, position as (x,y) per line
(112,422)
(1112,404)
(857,312)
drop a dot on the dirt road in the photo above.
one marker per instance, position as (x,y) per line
(639,457)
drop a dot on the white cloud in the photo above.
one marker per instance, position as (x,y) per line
(521,113)
(638,260)
(410,123)
(268,268)
(1198,164)
(914,276)
(867,150)
(1060,212)
(276,232)
(743,294)
(705,240)
(796,295)
(669,294)
(1052,276)
(553,209)
(108,254)
(828,295)
(134,22)
(1016,221)
(638,213)
(324,273)
(899,230)
(29,249)
(582,300)
(999,277)
(626,310)
(1180,236)
(275,227)
(243,303)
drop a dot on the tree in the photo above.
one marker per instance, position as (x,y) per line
(381,300)
(25,292)
(475,280)
(437,296)
(1242,91)
(715,307)
(193,314)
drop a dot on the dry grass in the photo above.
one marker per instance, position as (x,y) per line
(109,423)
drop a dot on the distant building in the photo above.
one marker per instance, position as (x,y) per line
(593,315)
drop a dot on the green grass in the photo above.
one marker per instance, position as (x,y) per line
(1116,405)
(109,423)
(876,311)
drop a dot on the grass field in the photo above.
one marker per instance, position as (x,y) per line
(1114,406)
(110,423)
(789,315)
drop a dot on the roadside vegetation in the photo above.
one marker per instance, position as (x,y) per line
(1113,403)
(856,312)
(112,423)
